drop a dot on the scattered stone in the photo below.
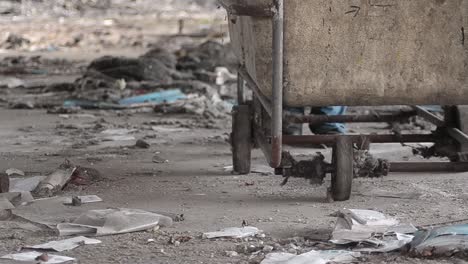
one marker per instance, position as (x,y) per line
(76,201)
(231,254)
(43,258)
(140,143)
(267,249)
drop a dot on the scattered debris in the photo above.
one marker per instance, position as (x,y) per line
(179,218)
(55,181)
(22,105)
(370,231)
(313,257)
(120,134)
(442,241)
(233,232)
(66,244)
(181,239)
(367,166)
(76,201)
(14,172)
(113,221)
(158,159)
(34,256)
(14,41)
(79,200)
(167,96)
(25,184)
(48,212)
(231,254)
(85,176)
(11,82)
(17,198)
(140,143)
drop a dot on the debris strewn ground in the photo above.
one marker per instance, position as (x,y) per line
(115,122)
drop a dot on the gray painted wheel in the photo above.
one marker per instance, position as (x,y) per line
(342,177)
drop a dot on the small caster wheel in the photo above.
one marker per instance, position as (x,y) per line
(241,138)
(342,176)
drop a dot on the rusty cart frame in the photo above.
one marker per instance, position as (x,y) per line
(260,123)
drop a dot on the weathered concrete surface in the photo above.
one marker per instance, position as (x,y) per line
(363,52)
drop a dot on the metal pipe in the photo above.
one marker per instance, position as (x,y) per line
(320,119)
(329,139)
(240,89)
(458,135)
(437,121)
(277,113)
(428,166)
(266,103)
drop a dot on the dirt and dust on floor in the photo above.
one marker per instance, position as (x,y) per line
(114,133)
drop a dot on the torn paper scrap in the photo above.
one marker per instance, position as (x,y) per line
(233,232)
(312,257)
(31,256)
(113,221)
(17,198)
(355,225)
(66,244)
(25,184)
(387,245)
(372,231)
(13,171)
(5,204)
(48,212)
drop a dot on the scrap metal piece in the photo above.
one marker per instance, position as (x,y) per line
(313,170)
(367,166)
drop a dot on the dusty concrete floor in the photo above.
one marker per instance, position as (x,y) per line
(195,184)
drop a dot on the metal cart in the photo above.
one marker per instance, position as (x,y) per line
(299,53)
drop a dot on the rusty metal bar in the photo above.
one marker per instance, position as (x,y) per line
(458,135)
(277,113)
(262,142)
(455,133)
(246,9)
(320,119)
(428,166)
(439,122)
(240,89)
(266,103)
(328,139)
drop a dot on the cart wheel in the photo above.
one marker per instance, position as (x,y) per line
(342,177)
(241,138)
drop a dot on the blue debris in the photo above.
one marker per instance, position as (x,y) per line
(442,241)
(167,96)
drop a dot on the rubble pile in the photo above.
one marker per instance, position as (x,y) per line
(197,79)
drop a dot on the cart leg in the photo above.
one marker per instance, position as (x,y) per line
(461,119)
(342,176)
(241,138)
